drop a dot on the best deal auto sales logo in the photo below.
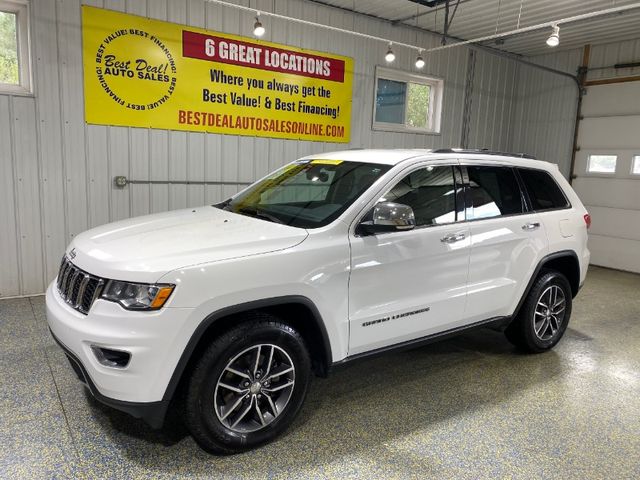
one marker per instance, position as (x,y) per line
(136,69)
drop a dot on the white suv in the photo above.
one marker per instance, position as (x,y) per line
(229,308)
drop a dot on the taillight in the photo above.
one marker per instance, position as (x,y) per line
(587,219)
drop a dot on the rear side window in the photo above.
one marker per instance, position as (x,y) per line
(494,192)
(544,192)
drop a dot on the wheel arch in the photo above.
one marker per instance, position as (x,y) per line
(297,311)
(565,262)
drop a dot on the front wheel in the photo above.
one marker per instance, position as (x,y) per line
(248,386)
(545,314)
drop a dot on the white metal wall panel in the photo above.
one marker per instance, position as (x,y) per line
(72,114)
(9,258)
(26,177)
(159,154)
(57,174)
(96,154)
(49,140)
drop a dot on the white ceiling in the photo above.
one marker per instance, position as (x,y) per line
(477,18)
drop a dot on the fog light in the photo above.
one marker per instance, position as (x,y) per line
(111,358)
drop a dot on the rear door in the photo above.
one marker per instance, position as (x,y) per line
(565,226)
(408,284)
(507,241)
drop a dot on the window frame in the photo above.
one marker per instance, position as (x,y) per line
(20,8)
(434,113)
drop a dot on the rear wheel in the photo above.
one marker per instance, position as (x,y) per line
(248,386)
(545,314)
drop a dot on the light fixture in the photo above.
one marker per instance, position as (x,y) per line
(554,38)
(258,29)
(390,56)
(420,61)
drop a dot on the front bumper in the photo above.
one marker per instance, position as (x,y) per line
(151,412)
(155,341)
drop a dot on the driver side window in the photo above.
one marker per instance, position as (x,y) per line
(430,192)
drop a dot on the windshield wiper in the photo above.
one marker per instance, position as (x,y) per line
(254,212)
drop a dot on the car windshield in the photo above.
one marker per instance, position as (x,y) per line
(307,193)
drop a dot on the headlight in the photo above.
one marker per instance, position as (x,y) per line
(137,296)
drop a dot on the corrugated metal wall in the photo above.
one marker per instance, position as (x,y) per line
(492,102)
(545,109)
(611,54)
(56,172)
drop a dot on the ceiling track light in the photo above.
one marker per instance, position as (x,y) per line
(258,29)
(420,61)
(554,38)
(390,56)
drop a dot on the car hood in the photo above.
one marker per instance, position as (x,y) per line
(143,249)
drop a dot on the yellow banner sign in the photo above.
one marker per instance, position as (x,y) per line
(147,73)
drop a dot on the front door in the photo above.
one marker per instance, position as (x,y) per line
(409,284)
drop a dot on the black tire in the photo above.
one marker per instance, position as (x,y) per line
(202,415)
(522,331)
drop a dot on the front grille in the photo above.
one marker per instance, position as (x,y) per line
(78,288)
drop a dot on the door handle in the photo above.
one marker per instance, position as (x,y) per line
(453,238)
(531,226)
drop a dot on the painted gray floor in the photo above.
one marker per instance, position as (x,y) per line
(471,407)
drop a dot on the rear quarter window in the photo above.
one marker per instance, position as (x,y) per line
(544,192)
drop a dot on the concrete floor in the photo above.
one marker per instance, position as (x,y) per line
(471,407)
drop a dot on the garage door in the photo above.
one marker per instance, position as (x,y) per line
(608,173)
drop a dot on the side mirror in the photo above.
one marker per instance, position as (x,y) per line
(389,217)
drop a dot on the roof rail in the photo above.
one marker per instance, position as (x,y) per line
(483,151)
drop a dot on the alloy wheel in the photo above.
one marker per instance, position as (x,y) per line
(549,313)
(254,388)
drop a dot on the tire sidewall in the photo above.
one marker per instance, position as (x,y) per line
(202,389)
(546,280)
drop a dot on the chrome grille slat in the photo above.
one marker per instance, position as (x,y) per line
(63,267)
(70,288)
(67,280)
(81,289)
(77,287)
(65,277)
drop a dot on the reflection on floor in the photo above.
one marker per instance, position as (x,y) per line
(471,407)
